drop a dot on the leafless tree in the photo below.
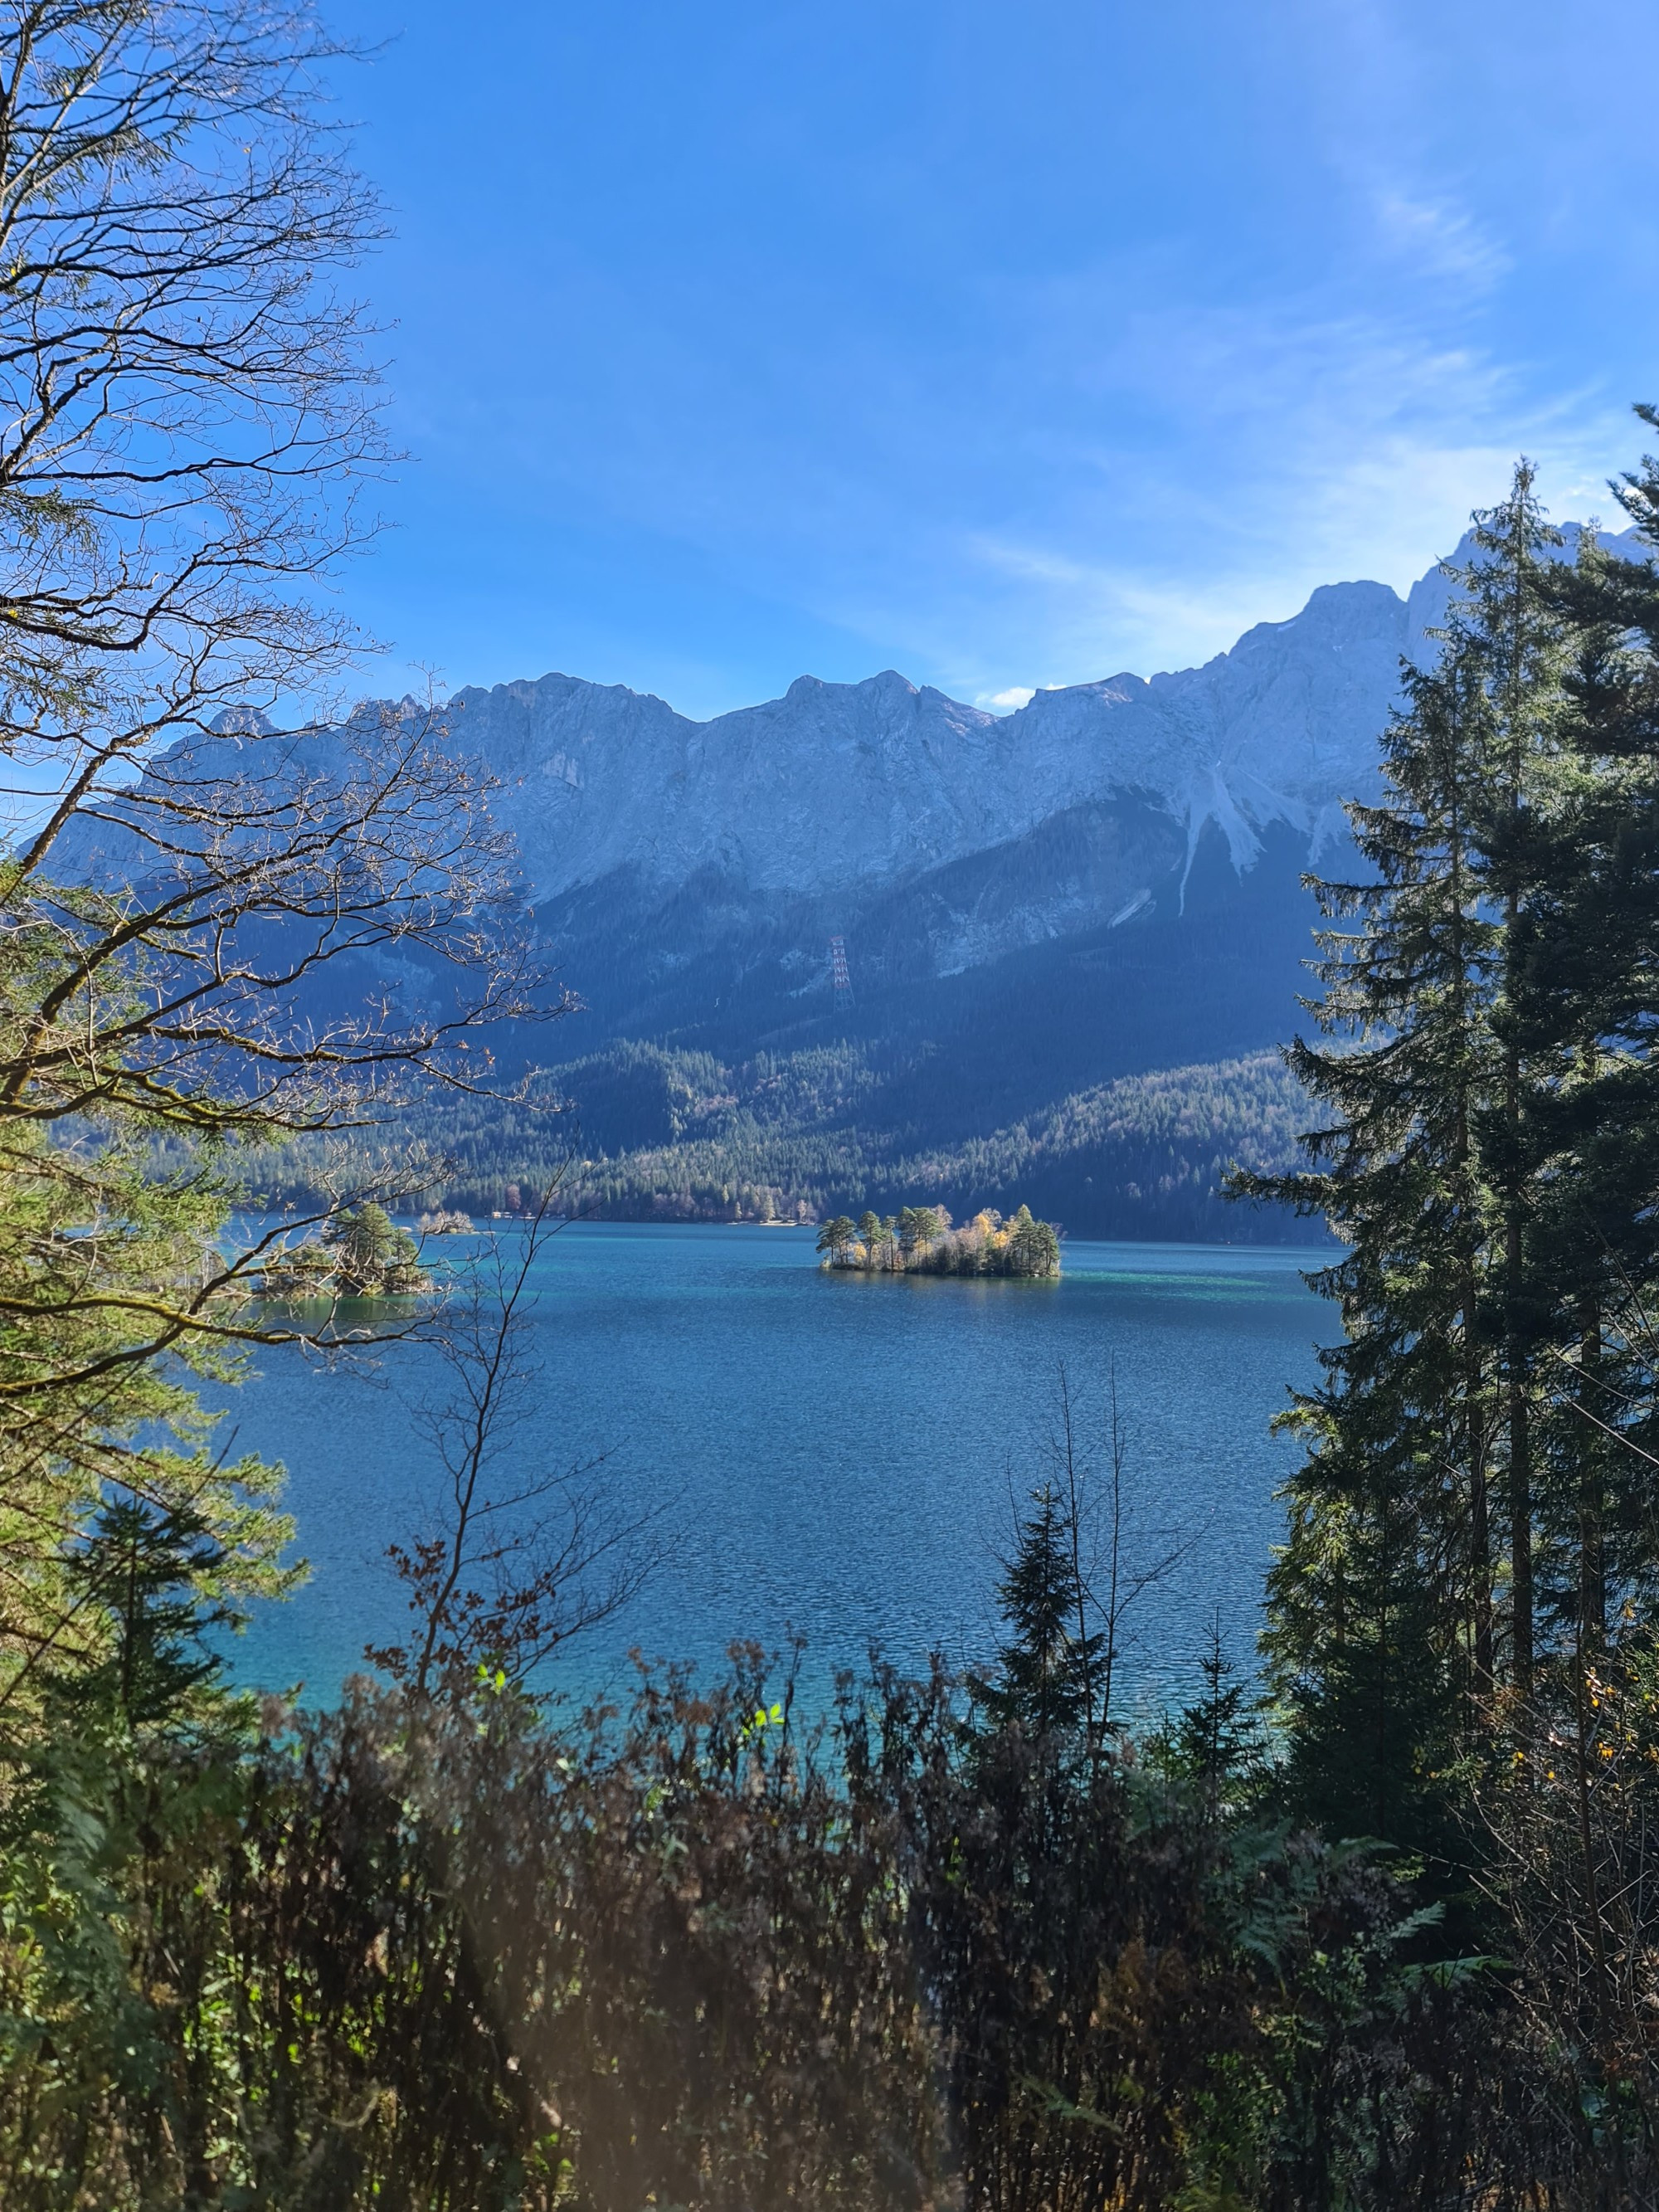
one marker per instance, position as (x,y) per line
(184,398)
(518,1561)
(228,912)
(1115,1558)
(187,420)
(216,930)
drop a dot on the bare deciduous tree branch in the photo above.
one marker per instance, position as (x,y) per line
(516,1563)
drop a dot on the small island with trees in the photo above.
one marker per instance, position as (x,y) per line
(920,1240)
(361,1253)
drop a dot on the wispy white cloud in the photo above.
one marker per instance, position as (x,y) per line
(1126,462)
(1440,238)
(1337,447)
(956,380)
(1384,512)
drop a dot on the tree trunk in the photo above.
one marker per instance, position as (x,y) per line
(1520,1424)
(1592,1555)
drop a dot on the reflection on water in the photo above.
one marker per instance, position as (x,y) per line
(842,1448)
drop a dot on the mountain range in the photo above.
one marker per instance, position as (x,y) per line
(866,943)
(1037,912)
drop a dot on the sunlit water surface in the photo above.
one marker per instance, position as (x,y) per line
(836,1453)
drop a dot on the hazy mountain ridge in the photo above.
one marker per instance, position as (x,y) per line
(836,785)
(1037,907)
(1104,884)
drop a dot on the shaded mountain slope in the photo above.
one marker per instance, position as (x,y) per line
(1102,885)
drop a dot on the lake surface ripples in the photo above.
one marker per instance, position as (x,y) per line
(837,1452)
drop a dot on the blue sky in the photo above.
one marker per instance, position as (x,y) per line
(1005,345)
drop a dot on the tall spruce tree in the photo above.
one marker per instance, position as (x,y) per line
(1509,621)
(1384,1608)
(1582,1007)
(1366,1636)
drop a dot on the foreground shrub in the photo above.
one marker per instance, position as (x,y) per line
(453,1953)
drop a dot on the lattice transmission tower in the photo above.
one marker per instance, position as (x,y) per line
(839,975)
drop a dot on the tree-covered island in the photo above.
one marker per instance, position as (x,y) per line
(360,1254)
(920,1240)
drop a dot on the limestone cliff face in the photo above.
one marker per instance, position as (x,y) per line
(838,784)
(1115,869)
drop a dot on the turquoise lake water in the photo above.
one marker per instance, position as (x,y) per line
(835,1452)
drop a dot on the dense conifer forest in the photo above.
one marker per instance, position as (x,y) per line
(652,1133)
(1377,1931)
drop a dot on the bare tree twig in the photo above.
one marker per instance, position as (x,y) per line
(516,1566)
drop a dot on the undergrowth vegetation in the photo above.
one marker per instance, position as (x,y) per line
(467,1950)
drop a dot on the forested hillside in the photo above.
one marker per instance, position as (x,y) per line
(661,1135)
